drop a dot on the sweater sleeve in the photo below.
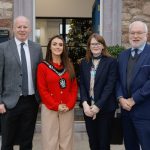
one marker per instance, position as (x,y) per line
(72,97)
(45,94)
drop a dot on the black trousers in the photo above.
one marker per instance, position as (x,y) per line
(99,131)
(18,124)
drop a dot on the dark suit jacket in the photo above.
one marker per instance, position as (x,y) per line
(10,71)
(140,83)
(104,87)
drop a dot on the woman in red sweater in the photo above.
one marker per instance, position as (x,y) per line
(57,87)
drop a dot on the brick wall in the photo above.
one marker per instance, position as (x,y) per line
(6,14)
(134,10)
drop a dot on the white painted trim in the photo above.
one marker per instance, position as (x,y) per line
(101,17)
(33,27)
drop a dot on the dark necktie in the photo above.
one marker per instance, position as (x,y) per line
(136,53)
(24,72)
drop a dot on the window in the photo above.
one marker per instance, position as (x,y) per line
(67,28)
(37,35)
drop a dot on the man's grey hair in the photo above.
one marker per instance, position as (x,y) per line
(141,22)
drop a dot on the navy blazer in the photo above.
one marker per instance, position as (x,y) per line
(105,81)
(140,82)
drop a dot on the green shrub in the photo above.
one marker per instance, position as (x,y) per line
(115,50)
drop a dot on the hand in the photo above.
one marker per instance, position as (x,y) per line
(131,102)
(2,108)
(124,104)
(63,108)
(95,109)
(94,117)
(66,109)
(87,109)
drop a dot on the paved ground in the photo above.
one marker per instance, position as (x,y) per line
(80,138)
(81,143)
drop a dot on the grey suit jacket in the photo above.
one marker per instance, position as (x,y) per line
(10,71)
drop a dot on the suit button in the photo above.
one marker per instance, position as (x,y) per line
(20,86)
(21,74)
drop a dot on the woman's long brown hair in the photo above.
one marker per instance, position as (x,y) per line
(64,57)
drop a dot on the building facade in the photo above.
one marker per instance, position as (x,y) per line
(6,14)
(131,11)
(117,15)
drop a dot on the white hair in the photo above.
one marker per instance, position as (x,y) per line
(140,22)
(21,17)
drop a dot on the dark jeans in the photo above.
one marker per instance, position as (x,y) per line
(18,124)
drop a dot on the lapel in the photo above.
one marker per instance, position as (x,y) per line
(14,49)
(100,68)
(125,65)
(31,53)
(139,63)
(88,69)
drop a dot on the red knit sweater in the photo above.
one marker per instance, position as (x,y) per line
(49,89)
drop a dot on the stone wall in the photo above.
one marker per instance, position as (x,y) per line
(134,10)
(131,10)
(6,14)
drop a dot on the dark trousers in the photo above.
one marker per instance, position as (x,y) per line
(136,133)
(18,124)
(99,131)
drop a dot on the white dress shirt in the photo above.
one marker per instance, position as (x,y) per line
(28,59)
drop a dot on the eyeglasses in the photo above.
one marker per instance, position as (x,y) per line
(95,44)
(137,33)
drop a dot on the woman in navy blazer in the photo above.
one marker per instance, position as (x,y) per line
(98,74)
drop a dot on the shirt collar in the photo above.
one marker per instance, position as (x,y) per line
(140,49)
(19,42)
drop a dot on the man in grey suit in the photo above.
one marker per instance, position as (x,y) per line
(19,58)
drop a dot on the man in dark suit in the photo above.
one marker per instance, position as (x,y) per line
(133,88)
(19,58)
